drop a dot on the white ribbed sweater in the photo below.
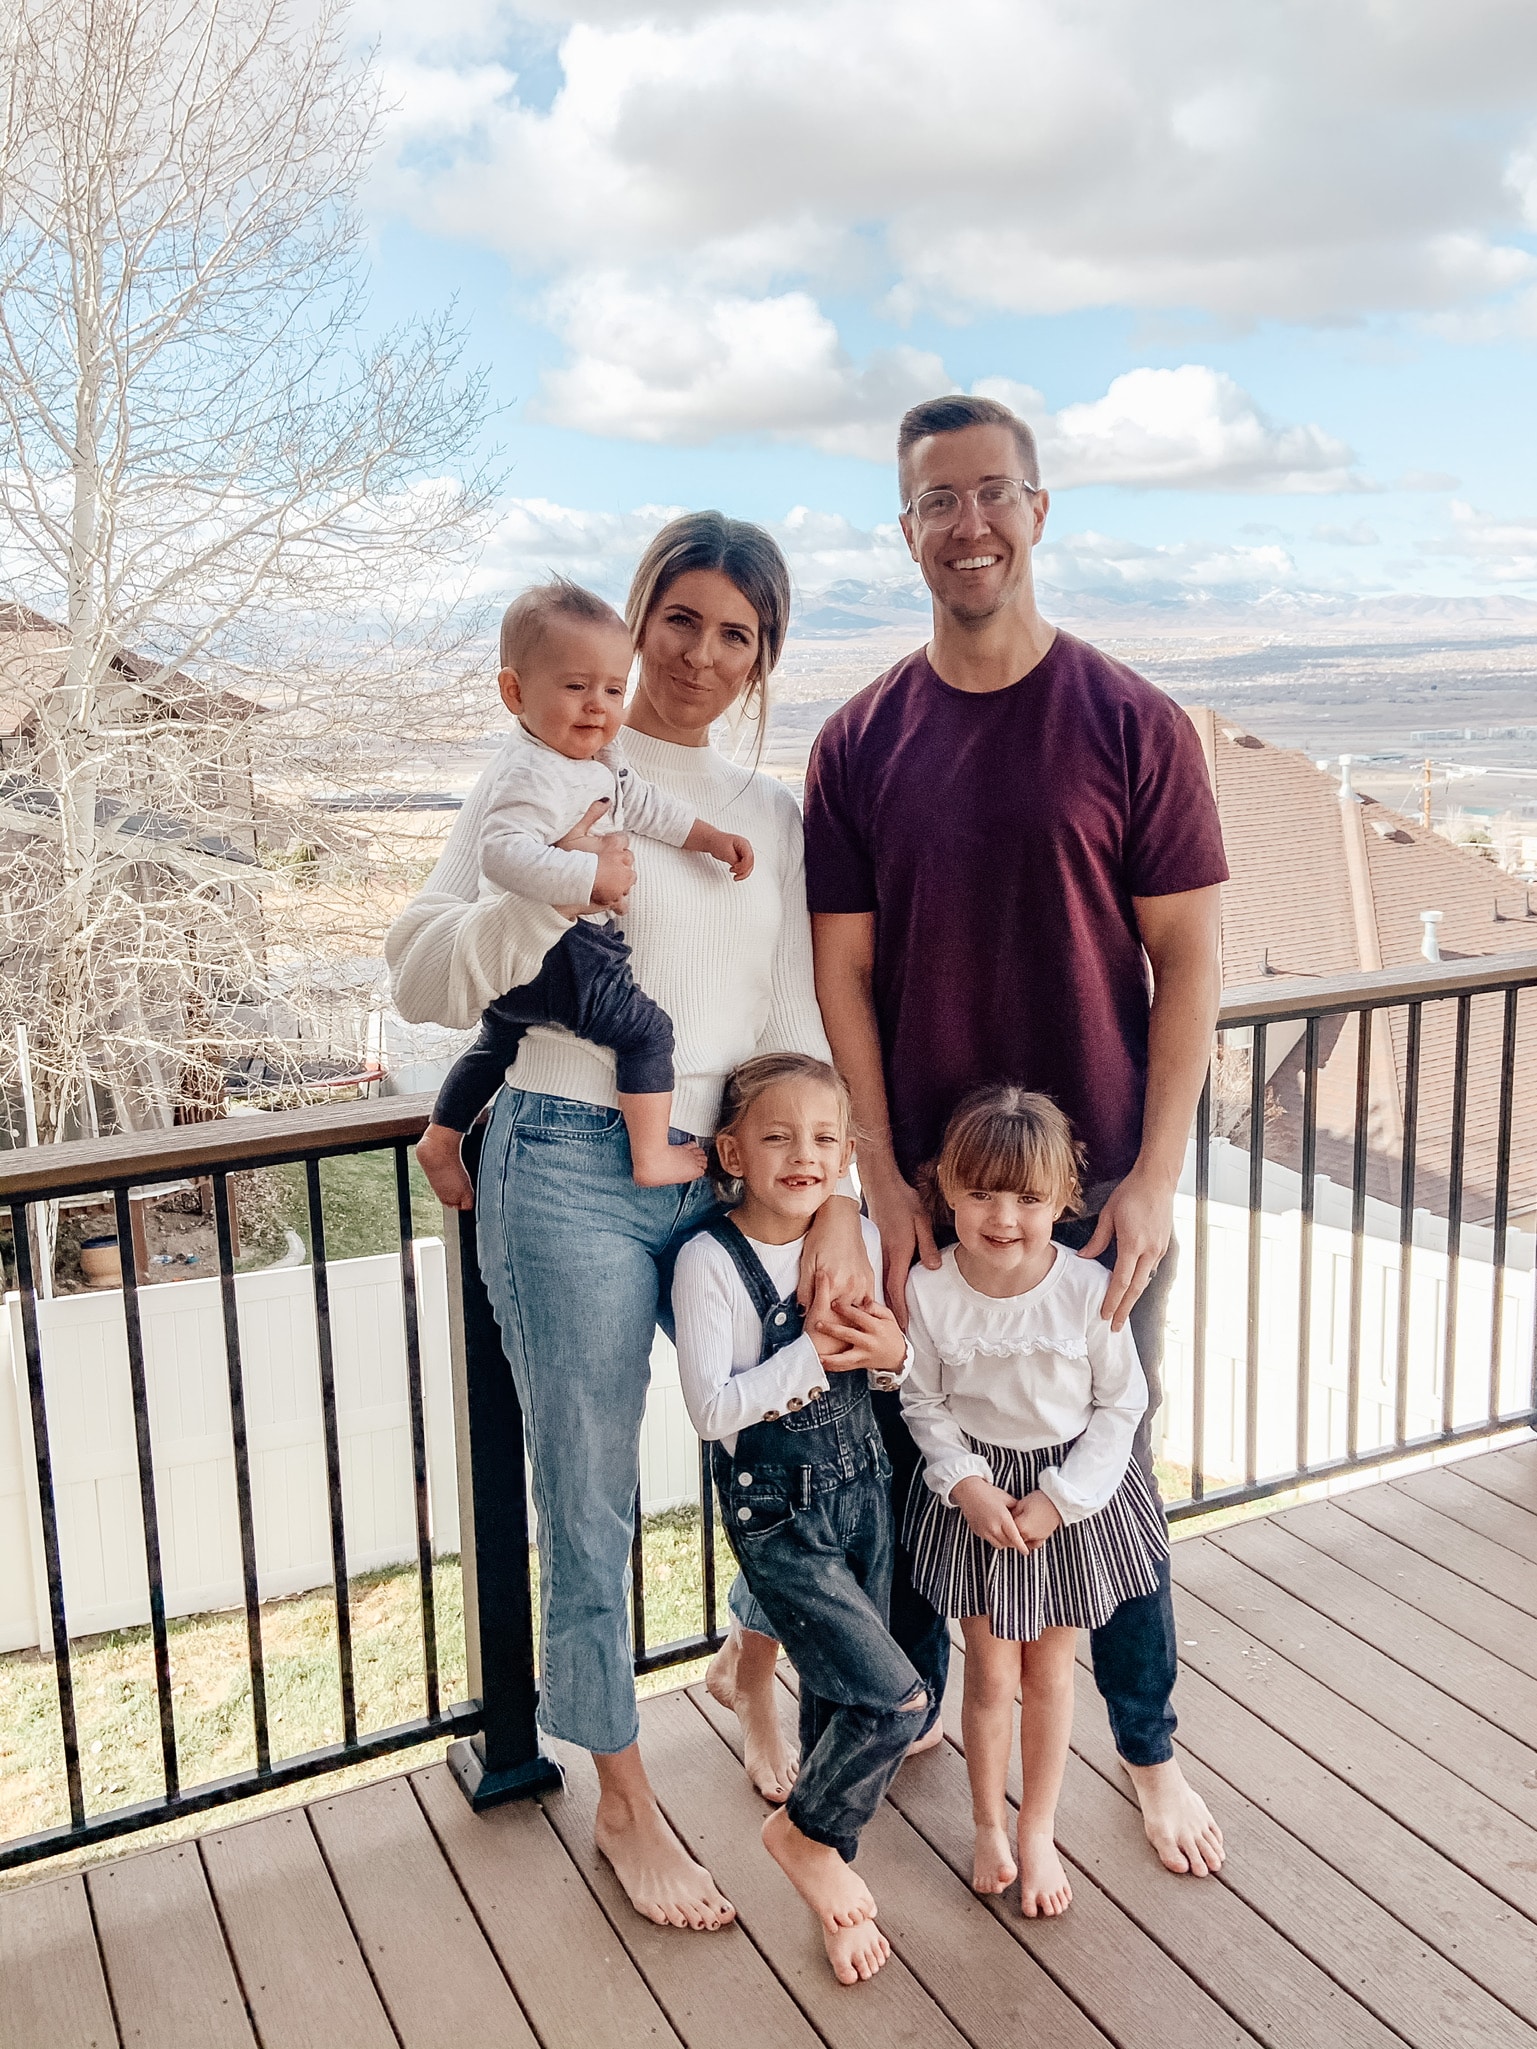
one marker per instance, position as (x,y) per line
(730,962)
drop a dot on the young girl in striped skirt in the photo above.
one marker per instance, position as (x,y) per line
(1035,1521)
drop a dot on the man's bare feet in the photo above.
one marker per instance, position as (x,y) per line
(1178,1821)
(437,1154)
(1043,1886)
(667,1166)
(741,1677)
(992,1861)
(832,1889)
(662,1880)
(855,1953)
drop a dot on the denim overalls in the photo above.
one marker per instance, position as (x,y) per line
(805,1501)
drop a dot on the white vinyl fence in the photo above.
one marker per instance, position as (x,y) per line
(95,1469)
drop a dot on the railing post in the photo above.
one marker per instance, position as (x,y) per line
(503,1761)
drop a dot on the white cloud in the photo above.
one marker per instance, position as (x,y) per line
(1191,428)
(1360,534)
(1496,550)
(660,366)
(1310,163)
(1103,564)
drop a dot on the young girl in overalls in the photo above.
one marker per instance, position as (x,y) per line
(801,1475)
(1036,1521)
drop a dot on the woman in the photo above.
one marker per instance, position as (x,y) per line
(576,1258)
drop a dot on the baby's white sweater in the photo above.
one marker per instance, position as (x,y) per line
(730,962)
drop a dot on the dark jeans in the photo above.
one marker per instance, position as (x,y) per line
(805,1504)
(586,985)
(1136,1653)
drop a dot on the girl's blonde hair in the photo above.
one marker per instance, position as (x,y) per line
(1007,1140)
(754,1078)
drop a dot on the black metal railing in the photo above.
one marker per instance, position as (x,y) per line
(1466,1043)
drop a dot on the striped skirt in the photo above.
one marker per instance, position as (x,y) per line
(1075,1580)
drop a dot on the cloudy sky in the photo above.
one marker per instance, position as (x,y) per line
(1262,273)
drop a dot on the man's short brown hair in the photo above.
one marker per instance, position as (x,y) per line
(529,617)
(949,415)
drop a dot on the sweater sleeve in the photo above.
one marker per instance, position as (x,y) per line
(947,1457)
(793,1023)
(720,1403)
(527,812)
(1097,1463)
(449,953)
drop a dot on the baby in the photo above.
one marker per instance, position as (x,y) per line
(565,666)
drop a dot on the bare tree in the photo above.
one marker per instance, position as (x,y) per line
(236,528)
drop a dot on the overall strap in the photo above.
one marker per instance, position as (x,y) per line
(782,1320)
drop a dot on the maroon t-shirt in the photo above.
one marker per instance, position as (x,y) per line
(999,839)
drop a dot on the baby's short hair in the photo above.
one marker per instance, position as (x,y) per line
(1011,1140)
(528,618)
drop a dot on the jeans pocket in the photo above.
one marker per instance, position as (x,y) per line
(584,1134)
(756,1511)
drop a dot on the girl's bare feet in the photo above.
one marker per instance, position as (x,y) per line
(855,1953)
(1043,1886)
(833,1890)
(662,1880)
(741,1677)
(992,1861)
(931,1740)
(1177,1820)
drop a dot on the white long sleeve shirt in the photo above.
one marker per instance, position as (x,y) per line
(1023,1371)
(537,794)
(730,962)
(726,1386)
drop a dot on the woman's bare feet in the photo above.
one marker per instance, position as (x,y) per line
(662,1880)
(992,1861)
(1177,1820)
(855,1953)
(1043,1886)
(833,1890)
(741,1677)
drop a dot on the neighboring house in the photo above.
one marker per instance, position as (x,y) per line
(1326,882)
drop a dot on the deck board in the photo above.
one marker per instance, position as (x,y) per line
(304,1978)
(171,1979)
(1493,1690)
(52,1993)
(1458,1737)
(1358,1678)
(434,1969)
(1453,1913)
(575,1983)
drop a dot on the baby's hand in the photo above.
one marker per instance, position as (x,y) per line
(989,1512)
(1036,1518)
(729,848)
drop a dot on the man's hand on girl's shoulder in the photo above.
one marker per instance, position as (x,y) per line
(897,1211)
(989,1512)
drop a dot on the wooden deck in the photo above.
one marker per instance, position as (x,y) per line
(1359,1705)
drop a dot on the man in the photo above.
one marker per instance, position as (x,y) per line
(1002,833)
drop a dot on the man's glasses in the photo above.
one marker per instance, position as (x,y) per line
(943,508)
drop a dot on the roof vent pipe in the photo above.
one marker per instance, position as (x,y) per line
(1430,945)
(1347,794)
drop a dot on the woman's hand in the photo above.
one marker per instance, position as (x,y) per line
(616,863)
(989,1512)
(834,1264)
(848,1340)
(1036,1518)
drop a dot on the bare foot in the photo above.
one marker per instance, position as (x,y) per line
(667,1166)
(1178,1821)
(832,1889)
(741,1677)
(855,1953)
(662,1880)
(992,1862)
(1043,1886)
(930,1740)
(437,1154)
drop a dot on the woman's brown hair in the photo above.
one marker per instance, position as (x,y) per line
(756,1077)
(744,553)
(1009,1140)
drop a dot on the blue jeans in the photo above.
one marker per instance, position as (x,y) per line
(577,1260)
(805,1504)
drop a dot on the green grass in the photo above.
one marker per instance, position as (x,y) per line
(359,1202)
